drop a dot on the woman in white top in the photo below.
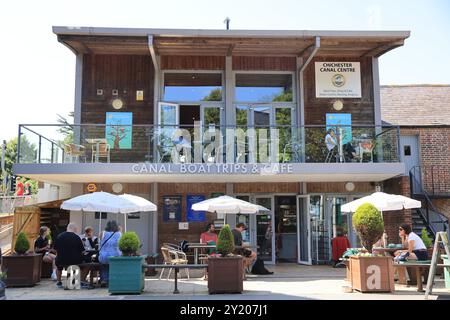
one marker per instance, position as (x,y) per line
(413,242)
(330,139)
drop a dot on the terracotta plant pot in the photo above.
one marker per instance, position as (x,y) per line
(225,274)
(372,274)
(22,270)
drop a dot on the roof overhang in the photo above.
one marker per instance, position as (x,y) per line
(228,42)
(202,173)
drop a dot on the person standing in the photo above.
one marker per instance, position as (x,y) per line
(19,187)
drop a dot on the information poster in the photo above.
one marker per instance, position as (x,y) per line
(172,208)
(194,216)
(341,124)
(119,129)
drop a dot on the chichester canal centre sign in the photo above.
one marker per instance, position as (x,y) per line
(338,79)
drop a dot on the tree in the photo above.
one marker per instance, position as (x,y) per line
(66,129)
(214,95)
(28,154)
(369,225)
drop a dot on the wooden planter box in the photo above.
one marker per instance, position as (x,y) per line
(225,274)
(126,275)
(22,270)
(372,274)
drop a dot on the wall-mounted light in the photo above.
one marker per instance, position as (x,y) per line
(117,104)
(349,186)
(338,105)
(115,92)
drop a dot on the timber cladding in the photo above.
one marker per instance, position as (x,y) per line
(280,187)
(339,187)
(127,74)
(362,109)
(130,188)
(168,231)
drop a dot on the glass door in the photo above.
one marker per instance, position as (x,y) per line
(265,240)
(304,230)
(168,122)
(212,141)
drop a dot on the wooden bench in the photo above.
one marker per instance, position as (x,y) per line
(93,267)
(177,267)
(415,267)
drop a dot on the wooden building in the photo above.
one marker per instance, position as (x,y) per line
(180,115)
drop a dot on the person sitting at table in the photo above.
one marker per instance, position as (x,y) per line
(90,242)
(331,143)
(109,247)
(69,251)
(249,255)
(42,246)
(349,152)
(416,248)
(209,237)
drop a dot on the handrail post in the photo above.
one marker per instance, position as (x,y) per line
(398,144)
(18,143)
(39,149)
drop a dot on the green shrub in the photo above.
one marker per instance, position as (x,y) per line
(369,225)
(225,241)
(22,244)
(129,243)
(426,239)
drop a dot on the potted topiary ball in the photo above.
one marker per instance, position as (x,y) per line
(369,272)
(126,274)
(22,268)
(225,271)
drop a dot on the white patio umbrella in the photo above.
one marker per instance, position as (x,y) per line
(107,202)
(227,204)
(383,202)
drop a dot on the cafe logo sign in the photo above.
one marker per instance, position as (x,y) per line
(91,187)
(338,79)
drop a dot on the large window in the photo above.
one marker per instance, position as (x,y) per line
(263,87)
(192,86)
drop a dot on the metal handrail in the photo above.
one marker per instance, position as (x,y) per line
(442,219)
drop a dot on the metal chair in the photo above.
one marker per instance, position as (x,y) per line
(102,152)
(173,257)
(74,151)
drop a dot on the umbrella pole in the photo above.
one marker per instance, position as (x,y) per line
(125,221)
(99,222)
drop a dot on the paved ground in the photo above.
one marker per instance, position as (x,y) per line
(288,282)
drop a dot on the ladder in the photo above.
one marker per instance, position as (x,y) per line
(441,237)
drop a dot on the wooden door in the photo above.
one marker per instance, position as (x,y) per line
(26,219)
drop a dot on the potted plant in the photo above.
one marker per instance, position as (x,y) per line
(427,242)
(369,272)
(225,270)
(22,268)
(126,275)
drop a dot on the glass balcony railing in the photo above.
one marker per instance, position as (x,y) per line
(92,143)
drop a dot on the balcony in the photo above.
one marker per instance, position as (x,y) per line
(170,150)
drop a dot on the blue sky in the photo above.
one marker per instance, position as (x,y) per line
(37,73)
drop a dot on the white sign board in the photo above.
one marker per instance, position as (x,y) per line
(338,80)
(183,225)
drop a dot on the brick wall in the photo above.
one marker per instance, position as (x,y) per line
(393,219)
(434,149)
(443,206)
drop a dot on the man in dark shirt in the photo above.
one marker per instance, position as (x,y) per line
(249,255)
(69,249)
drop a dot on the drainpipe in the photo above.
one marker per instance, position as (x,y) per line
(156,90)
(311,56)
